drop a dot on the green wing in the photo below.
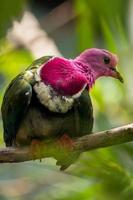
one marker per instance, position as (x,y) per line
(15,104)
(16,101)
(37,63)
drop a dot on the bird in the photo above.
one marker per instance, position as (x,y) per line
(50,98)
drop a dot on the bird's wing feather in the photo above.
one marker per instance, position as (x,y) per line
(16,101)
(38,62)
(15,104)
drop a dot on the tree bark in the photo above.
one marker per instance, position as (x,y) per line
(88,142)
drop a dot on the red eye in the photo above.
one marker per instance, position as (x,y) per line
(106,60)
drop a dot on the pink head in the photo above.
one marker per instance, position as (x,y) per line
(99,62)
(70,77)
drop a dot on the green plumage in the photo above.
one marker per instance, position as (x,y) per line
(25,118)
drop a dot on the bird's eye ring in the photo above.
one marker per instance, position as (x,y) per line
(106,60)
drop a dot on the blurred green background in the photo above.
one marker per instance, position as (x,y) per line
(72,26)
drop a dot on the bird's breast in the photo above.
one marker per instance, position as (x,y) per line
(49,98)
(39,121)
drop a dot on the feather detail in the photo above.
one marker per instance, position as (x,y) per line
(90,74)
(49,98)
(75,96)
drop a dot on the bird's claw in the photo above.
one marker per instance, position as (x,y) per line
(66,142)
(35,149)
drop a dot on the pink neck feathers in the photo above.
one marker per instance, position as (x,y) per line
(63,75)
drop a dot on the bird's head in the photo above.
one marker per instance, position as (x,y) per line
(100,62)
(69,77)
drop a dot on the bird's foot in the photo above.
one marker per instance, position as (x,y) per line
(35,149)
(66,142)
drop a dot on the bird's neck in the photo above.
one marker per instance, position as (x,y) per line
(86,69)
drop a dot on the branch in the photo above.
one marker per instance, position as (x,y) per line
(28,33)
(88,142)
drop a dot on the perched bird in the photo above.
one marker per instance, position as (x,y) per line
(50,98)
